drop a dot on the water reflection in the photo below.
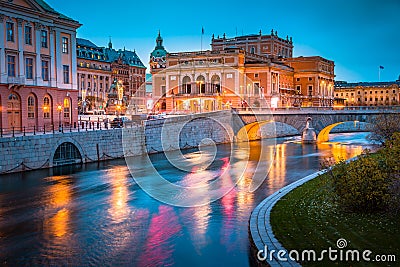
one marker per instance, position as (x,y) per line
(119,180)
(59,195)
(97,215)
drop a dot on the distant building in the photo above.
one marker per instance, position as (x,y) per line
(267,45)
(231,76)
(94,76)
(367,93)
(99,68)
(127,67)
(38,81)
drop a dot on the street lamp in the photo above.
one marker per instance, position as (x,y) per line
(59,109)
(173,100)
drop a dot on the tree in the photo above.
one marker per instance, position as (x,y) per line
(384,127)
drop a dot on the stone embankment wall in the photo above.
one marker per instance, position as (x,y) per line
(23,153)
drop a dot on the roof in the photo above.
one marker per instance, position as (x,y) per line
(49,9)
(342,84)
(85,42)
(128,57)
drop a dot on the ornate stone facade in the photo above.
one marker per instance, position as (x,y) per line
(38,81)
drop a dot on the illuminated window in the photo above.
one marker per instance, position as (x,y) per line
(46,107)
(65,45)
(66,108)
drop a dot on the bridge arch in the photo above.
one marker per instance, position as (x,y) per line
(66,151)
(254,131)
(323,135)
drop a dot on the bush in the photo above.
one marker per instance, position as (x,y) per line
(361,185)
(372,182)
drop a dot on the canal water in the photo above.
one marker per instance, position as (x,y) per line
(97,215)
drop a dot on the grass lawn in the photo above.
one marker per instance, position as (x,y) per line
(308,218)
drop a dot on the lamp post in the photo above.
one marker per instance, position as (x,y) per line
(173,100)
(59,109)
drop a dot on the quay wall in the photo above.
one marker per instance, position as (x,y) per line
(22,153)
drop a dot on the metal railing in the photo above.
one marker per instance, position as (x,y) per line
(81,126)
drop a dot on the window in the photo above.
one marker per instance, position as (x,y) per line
(66,108)
(11,66)
(310,78)
(66,73)
(45,70)
(88,84)
(65,45)
(29,68)
(46,107)
(31,107)
(10,31)
(28,35)
(310,90)
(44,39)
(298,79)
(255,75)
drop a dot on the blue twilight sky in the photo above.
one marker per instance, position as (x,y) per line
(359,35)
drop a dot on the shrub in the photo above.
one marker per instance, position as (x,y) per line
(370,183)
(361,185)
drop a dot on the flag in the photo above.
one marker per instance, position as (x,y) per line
(381,67)
(202,30)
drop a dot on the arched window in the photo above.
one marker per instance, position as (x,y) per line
(186,85)
(216,84)
(46,107)
(67,108)
(31,107)
(201,84)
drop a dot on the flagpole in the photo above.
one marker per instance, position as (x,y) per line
(379,73)
(202,33)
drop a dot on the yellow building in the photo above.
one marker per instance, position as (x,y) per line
(368,93)
(232,77)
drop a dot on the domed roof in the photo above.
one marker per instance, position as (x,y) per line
(159,50)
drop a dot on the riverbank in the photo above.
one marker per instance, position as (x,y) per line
(309,218)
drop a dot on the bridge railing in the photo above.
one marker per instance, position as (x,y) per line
(311,109)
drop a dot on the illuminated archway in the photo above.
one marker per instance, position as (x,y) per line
(323,135)
(250,132)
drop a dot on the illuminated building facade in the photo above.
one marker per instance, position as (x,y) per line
(94,76)
(38,81)
(367,93)
(266,45)
(232,77)
(99,68)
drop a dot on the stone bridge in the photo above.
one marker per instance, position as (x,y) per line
(323,121)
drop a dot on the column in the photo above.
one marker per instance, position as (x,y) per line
(3,76)
(74,68)
(38,62)
(52,71)
(21,70)
(58,60)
